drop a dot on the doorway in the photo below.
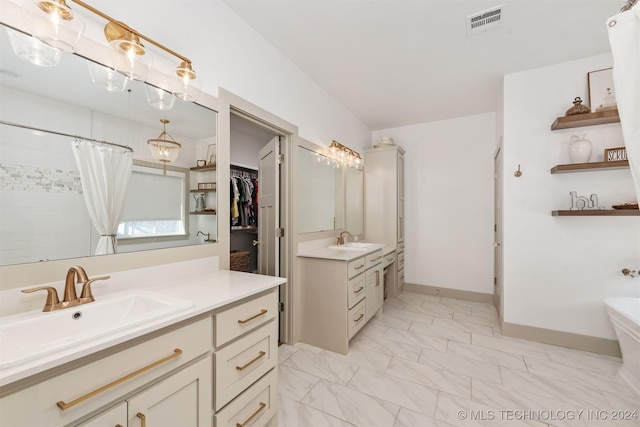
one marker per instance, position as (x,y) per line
(255,148)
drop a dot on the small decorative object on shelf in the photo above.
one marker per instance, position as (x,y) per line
(608,102)
(579,203)
(211,154)
(578,108)
(206,186)
(201,163)
(199,198)
(615,154)
(579,149)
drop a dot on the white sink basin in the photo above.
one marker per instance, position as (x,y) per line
(353,246)
(35,334)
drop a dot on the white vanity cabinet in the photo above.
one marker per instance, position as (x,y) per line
(172,361)
(216,369)
(339,296)
(384,219)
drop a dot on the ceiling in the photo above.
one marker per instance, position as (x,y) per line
(400,62)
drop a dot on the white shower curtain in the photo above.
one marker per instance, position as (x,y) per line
(104,172)
(624,37)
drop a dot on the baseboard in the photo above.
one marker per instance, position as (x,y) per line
(448,293)
(598,345)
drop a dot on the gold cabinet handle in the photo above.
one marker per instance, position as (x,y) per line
(377,278)
(389,259)
(375,259)
(251,362)
(64,406)
(359,317)
(252,417)
(143,419)
(359,267)
(359,290)
(262,312)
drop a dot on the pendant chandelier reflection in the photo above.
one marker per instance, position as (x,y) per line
(54,23)
(164,149)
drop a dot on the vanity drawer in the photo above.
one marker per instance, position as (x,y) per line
(356,267)
(388,259)
(400,278)
(255,407)
(242,362)
(356,290)
(235,321)
(400,261)
(373,259)
(401,247)
(356,318)
(101,382)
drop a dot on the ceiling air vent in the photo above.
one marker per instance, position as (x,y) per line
(485,20)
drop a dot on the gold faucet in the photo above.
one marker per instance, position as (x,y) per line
(76,274)
(341,237)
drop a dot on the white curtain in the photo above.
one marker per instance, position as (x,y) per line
(104,172)
(624,37)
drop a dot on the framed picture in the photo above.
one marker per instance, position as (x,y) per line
(601,91)
(615,154)
(211,154)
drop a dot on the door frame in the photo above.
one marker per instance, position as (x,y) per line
(287,131)
(498,236)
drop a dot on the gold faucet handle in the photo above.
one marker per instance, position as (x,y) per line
(86,288)
(52,296)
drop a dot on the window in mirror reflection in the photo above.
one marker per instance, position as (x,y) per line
(156,213)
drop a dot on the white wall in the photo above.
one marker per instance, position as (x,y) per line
(558,270)
(449,202)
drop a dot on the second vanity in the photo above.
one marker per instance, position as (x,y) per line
(342,291)
(213,363)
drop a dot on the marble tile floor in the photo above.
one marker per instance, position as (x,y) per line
(431,361)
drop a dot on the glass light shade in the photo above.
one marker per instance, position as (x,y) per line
(130,58)
(33,50)
(106,77)
(54,23)
(187,86)
(159,98)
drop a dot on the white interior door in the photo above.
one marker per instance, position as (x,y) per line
(269,209)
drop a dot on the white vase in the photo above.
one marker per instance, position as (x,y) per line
(579,149)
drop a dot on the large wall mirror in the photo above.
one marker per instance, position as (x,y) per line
(320,192)
(43,214)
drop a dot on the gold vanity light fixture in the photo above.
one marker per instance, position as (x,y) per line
(164,148)
(345,156)
(53,22)
(127,53)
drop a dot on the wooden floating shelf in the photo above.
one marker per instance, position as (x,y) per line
(588,119)
(606,212)
(204,190)
(203,213)
(203,168)
(580,167)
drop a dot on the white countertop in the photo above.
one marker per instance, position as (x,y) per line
(207,291)
(338,254)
